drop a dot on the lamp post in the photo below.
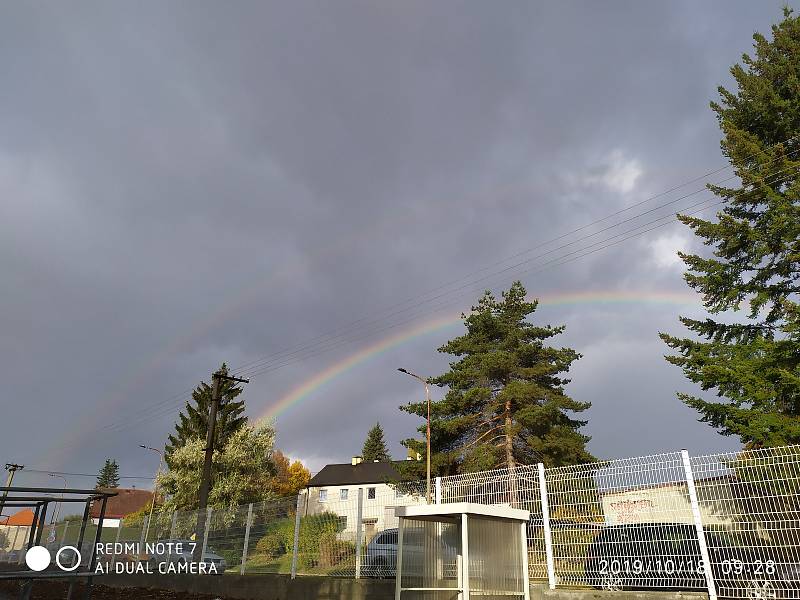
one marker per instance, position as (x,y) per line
(58,506)
(428,436)
(155,486)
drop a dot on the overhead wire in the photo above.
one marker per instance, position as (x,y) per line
(262,366)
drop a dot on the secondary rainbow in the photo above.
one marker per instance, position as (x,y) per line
(329,374)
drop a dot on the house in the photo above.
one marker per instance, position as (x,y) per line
(14,529)
(335,490)
(669,502)
(126,502)
(21,518)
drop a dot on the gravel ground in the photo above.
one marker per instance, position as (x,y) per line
(57,590)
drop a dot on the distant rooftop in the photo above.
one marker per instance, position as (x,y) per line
(126,501)
(350,474)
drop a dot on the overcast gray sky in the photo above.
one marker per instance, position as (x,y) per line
(183,184)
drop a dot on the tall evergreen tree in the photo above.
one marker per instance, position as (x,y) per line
(506,403)
(751,359)
(108,476)
(193,420)
(375,446)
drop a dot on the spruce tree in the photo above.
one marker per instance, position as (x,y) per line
(193,420)
(750,357)
(108,476)
(506,403)
(375,446)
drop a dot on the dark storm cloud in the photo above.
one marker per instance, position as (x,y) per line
(186,184)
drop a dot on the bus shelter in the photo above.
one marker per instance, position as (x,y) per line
(460,551)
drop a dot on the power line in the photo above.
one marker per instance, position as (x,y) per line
(261,366)
(360,324)
(245,366)
(94,475)
(332,343)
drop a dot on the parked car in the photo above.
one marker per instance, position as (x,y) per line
(666,556)
(380,557)
(172,559)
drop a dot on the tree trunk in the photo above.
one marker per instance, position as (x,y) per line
(509,437)
(512,471)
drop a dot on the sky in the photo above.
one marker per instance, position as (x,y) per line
(318,190)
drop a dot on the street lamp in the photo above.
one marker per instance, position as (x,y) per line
(58,506)
(155,486)
(428,453)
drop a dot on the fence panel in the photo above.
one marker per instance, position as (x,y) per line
(269,545)
(624,524)
(614,524)
(518,488)
(750,502)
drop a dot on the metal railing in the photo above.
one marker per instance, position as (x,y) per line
(725,523)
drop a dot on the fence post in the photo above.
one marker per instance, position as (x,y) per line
(205,534)
(64,535)
(173,525)
(359,519)
(548,536)
(14,543)
(246,536)
(296,543)
(438,491)
(116,541)
(698,525)
(145,523)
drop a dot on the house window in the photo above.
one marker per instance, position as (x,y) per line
(323,495)
(370,493)
(343,494)
(342,523)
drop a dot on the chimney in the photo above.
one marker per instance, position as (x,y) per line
(356,460)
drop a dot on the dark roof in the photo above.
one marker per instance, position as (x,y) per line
(348,474)
(126,501)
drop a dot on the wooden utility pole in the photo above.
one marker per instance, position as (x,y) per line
(205,479)
(11,468)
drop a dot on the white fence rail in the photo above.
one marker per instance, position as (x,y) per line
(725,523)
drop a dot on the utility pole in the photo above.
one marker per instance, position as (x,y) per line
(425,382)
(11,468)
(205,480)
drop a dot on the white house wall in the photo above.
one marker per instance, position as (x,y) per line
(663,504)
(377,512)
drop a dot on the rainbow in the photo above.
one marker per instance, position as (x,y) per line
(329,374)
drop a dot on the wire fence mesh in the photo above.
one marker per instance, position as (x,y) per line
(728,523)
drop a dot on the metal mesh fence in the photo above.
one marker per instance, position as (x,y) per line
(751,516)
(728,523)
(519,488)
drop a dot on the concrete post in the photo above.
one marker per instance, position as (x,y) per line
(173,526)
(145,523)
(64,535)
(205,533)
(296,542)
(359,521)
(698,525)
(246,537)
(548,535)
(398,574)
(438,491)
(116,541)
(465,594)
(524,541)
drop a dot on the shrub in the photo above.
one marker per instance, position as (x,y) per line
(273,544)
(333,551)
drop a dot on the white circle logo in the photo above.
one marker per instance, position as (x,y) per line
(37,558)
(77,562)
